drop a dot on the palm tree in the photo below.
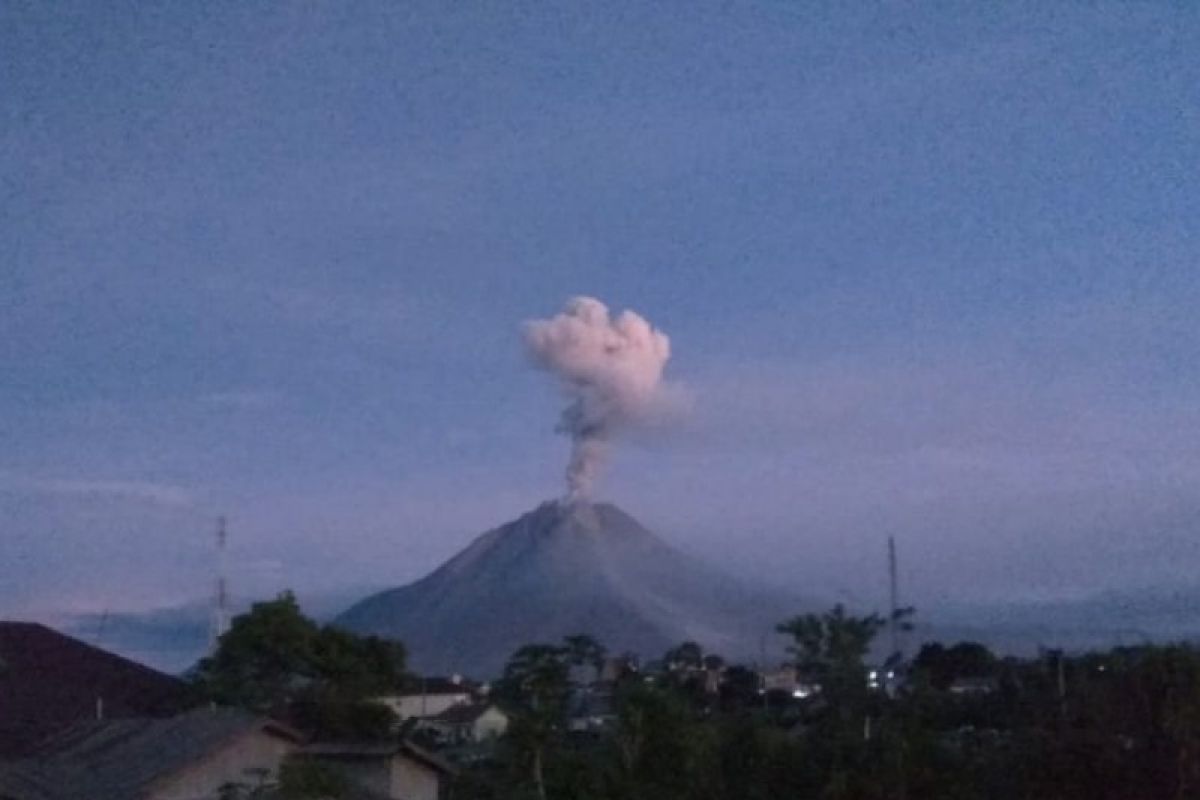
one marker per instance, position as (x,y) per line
(537,678)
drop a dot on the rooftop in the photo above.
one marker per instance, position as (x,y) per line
(440,685)
(371,750)
(121,759)
(462,714)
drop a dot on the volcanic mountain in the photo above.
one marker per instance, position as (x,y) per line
(565,569)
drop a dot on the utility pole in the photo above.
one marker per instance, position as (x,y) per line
(220,614)
(894,605)
(762,674)
(1062,685)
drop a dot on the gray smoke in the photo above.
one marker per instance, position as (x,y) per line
(611,370)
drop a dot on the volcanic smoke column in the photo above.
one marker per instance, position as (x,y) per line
(611,370)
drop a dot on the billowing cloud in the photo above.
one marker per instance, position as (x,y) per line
(611,369)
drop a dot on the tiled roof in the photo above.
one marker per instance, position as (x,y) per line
(123,759)
(461,714)
(49,681)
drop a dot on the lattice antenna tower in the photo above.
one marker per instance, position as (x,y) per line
(220,611)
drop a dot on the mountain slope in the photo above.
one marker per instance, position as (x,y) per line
(561,570)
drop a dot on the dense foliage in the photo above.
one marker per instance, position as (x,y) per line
(958,723)
(276,660)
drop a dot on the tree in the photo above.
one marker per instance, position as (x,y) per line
(536,682)
(740,689)
(663,750)
(536,676)
(274,659)
(829,648)
(687,655)
(264,659)
(582,650)
(942,666)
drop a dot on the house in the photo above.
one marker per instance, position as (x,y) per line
(787,680)
(467,723)
(591,710)
(207,754)
(618,668)
(784,679)
(200,755)
(50,681)
(433,696)
(397,770)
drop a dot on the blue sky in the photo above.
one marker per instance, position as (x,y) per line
(929,270)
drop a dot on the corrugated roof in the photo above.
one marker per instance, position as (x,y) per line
(49,681)
(354,791)
(123,759)
(359,750)
(353,749)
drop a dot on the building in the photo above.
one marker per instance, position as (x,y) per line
(781,679)
(467,723)
(208,754)
(787,680)
(591,710)
(50,681)
(203,754)
(396,770)
(618,668)
(433,696)
(973,686)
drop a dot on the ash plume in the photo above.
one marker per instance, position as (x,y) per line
(611,371)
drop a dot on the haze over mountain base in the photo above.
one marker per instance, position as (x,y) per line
(565,569)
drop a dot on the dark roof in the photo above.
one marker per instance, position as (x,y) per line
(461,714)
(442,686)
(122,759)
(15,784)
(375,749)
(49,680)
(355,791)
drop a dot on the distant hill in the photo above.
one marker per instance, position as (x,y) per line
(567,569)
(174,638)
(49,680)
(1095,621)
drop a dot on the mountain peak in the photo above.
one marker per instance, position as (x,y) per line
(577,516)
(560,569)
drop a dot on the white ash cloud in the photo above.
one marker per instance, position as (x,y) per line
(611,369)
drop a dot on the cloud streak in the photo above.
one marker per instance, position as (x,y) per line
(157,494)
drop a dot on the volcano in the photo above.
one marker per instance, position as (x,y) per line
(566,569)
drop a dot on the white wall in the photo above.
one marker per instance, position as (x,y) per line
(416,705)
(412,780)
(490,724)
